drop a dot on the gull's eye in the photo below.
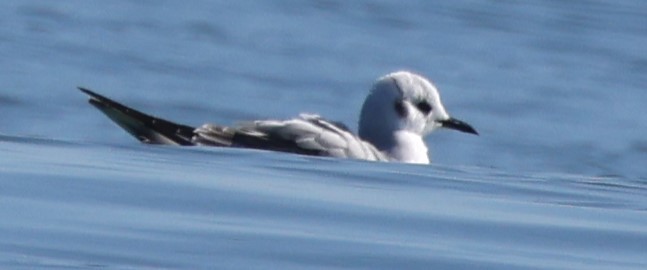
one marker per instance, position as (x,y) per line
(424,107)
(400,109)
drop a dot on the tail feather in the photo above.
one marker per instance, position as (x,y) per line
(145,128)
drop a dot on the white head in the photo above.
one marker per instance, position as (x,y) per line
(403,101)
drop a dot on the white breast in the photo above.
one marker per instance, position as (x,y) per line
(409,147)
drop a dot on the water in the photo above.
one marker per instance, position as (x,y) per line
(557,180)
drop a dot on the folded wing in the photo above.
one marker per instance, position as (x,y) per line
(308,135)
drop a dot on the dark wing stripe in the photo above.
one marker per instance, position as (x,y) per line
(274,143)
(340,125)
(213,135)
(335,127)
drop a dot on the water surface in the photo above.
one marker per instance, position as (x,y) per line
(556,180)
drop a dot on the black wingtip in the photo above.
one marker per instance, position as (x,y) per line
(144,127)
(85,90)
(99,100)
(91,93)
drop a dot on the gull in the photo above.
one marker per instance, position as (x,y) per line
(400,110)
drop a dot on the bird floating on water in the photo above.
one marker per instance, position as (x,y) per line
(400,110)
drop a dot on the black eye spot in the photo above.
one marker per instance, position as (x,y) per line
(400,109)
(424,107)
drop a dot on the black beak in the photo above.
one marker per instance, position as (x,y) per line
(459,125)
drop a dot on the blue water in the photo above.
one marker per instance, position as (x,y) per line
(557,179)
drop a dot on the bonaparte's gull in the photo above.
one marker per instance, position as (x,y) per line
(401,108)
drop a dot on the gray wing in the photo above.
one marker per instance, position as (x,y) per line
(308,134)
